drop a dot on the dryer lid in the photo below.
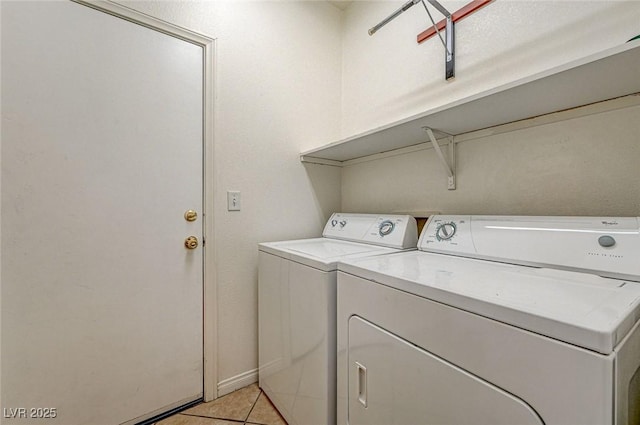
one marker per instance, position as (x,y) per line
(578,308)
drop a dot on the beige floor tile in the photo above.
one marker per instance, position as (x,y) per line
(235,406)
(264,413)
(193,420)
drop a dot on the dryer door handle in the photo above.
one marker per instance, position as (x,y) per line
(362,383)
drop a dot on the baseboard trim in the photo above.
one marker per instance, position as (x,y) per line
(229,385)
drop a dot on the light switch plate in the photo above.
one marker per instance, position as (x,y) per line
(233,200)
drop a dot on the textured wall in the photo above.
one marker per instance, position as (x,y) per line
(388,76)
(582,166)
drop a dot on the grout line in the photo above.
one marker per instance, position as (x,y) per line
(212,417)
(270,404)
(254,405)
(238,421)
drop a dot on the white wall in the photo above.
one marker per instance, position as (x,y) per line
(584,166)
(278,93)
(581,166)
(388,76)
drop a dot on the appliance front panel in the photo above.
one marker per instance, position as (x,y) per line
(296,307)
(564,384)
(393,382)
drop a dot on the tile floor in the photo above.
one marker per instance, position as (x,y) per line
(248,405)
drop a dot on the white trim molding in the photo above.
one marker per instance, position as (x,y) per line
(236,382)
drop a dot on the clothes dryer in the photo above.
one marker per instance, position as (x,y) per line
(297,309)
(494,320)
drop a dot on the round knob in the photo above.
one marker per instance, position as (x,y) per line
(333,223)
(386,227)
(190,215)
(191,242)
(343,223)
(445,231)
(606,241)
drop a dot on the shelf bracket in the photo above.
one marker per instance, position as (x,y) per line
(449,166)
(458,15)
(447,42)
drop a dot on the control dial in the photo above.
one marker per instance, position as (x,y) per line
(445,231)
(386,227)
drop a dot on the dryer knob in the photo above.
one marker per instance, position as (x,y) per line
(445,231)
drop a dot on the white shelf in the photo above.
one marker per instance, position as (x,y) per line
(603,76)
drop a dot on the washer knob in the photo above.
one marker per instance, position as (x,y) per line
(333,223)
(445,231)
(386,227)
(343,223)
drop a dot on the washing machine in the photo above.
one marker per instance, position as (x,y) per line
(494,320)
(297,309)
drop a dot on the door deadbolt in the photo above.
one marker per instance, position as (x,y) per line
(191,242)
(190,215)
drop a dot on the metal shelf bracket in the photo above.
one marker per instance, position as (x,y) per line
(449,165)
(447,41)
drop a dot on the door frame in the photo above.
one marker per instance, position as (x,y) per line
(210,329)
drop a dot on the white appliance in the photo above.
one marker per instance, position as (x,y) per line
(297,309)
(539,326)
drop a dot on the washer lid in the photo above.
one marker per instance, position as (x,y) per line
(322,253)
(328,248)
(578,308)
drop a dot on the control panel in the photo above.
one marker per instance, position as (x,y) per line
(603,245)
(396,231)
(447,233)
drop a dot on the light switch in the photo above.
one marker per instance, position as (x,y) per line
(233,200)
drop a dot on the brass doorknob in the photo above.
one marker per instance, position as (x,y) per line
(191,242)
(190,215)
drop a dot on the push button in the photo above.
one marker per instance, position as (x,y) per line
(606,241)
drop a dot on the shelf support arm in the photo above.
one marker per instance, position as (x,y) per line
(448,42)
(450,168)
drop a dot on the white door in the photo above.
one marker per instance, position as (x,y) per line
(102,153)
